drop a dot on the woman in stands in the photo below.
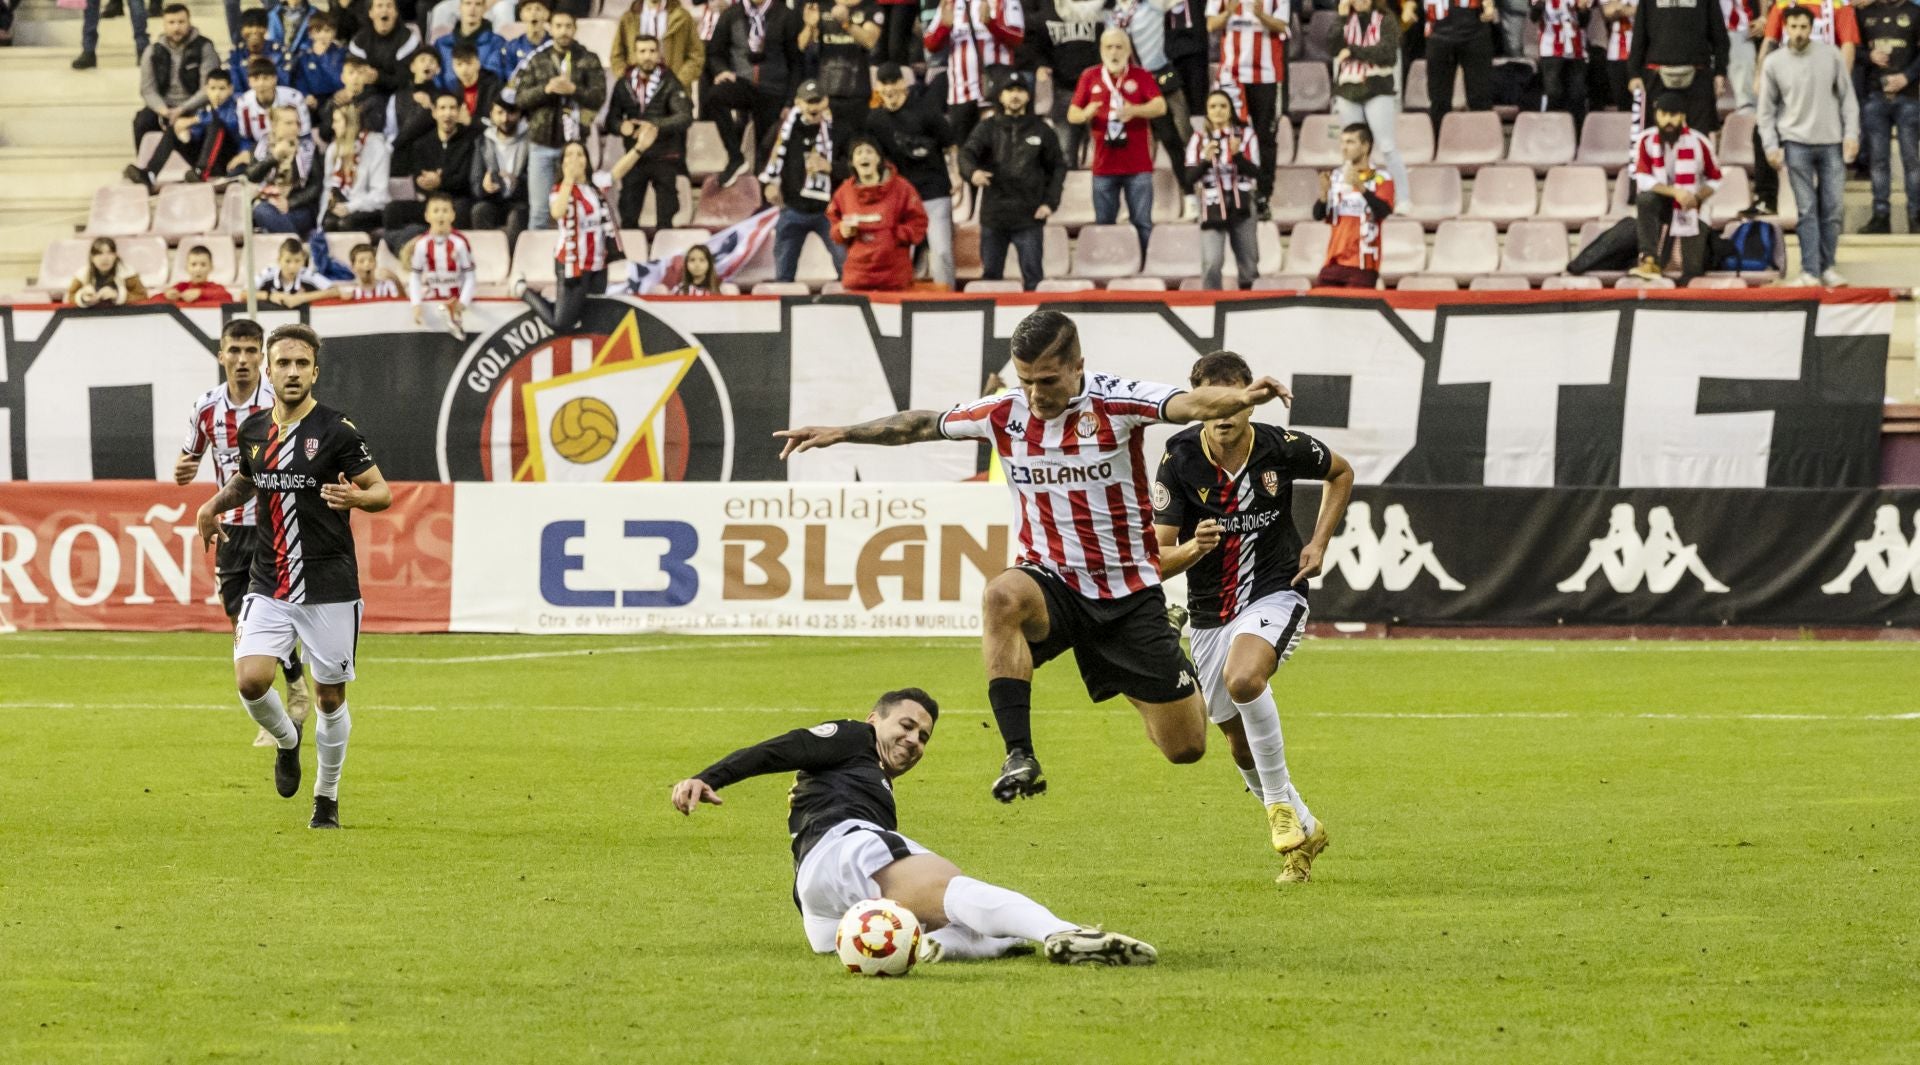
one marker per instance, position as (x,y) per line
(1223,165)
(1365,45)
(586,226)
(697,275)
(355,197)
(106,279)
(879,217)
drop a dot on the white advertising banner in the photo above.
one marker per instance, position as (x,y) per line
(793,559)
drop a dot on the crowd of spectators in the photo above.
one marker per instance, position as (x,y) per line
(866,122)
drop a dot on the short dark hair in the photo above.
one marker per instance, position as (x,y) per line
(1221,368)
(1361,130)
(199,249)
(446,94)
(362,249)
(241,329)
(176,8)
(1042,334)
(253,17)
(220,75)
(465,50)
(302,333)
(1798,11)
(1672,102)
(294,244)
(262,68)
(520,8)
(887,700)
(437,195)
(322,18)
(889,72)
(647,37)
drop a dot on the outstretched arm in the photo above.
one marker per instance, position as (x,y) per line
(787,753)
(1219,401)
(906,427)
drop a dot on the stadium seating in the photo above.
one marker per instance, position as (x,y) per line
(1403,246)
(1716,281)
(1470,140)
(1435,194)
(1502,194)
(1295,190)
(1072,284)
(1413,137)
(1307,248)
(994,287)
(706,151)
(1173,251)
(1270,247)
(1499,283)
(1076,201)
(1427,283)
(1604,140)
(1568,283)
(1309,87)
(1104,252)
(670,242)
(1283,147)
(816,263)
(146,256)
(1414,89)
(597,34)
(1734,195)
(118,211)
(1736,140)
(1463,248)
(1630,281)
(649,213)
(1282,283)
(533,256)
(722,205)
(781,288)
(1574,194)
(1319,143)
(1535,249)
(1137,284)
(492,261)
(60,261)
(1542,140)
(182,209)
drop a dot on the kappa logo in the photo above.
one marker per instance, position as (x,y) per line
(1886,556)
(1395,556)
(1186,680)
(1660,560)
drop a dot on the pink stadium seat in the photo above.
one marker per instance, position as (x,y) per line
(1283,142)
(226,269)
(146,256)
(816,263)
(1283,283)
(1736,140)
(1106,252)
(1464,248)
(757,268)
(670,242)
(1574,194)
(149,143)
(1055,253)
(721,206)
(1502,194)
(1317,30)
(833,288)
(649,214)
(1499,283)
(1136,284)
(781,288)
(339,246)
(59,261)
(1569,282)
(1076,201)
(1427,283)
(1630,281)
(183,209)
(1621,206)
(597,34)
(1590,232)
(1713,281)
(533,256)
(511,31)
(1309,87)
(1542,140)
(993,287)
(1307,249)
(1535,249)
(1065,284)
(493,263)
(1413,136)
(1734,195)
(1470,140)
(706,150)
(1173,251)
(1319,143)
(1270,247)
(1403,248)
(1295,190)
(1414,89)
(118,211)
(236,214)
(1435,196)
(1166,198)
(1604,140)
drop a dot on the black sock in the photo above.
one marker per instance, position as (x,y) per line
(1012,702)
(293,669)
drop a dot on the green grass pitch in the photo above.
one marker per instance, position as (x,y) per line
(1542,852)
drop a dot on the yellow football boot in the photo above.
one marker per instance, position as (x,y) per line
(1287,833)
(1299,863)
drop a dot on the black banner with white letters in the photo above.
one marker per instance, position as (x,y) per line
(1491,556)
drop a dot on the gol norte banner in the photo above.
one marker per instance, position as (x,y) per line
(124,555)
(1683,390)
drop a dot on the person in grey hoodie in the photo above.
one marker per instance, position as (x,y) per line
(1810,123)
(500,174)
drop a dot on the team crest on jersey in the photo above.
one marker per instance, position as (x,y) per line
(1270,480)
(313,447)
(1088,425)
(621,399)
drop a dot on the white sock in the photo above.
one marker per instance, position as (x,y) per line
(994,912)
(1300,809)
(1252,777)
(961,943)
(330,743)
(1261,721)
(272,716)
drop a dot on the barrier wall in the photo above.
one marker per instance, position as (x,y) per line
(911,559)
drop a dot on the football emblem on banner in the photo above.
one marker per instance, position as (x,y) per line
(1270,480)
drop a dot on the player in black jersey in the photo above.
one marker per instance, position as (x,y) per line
(1223,513)
(846,847)
(306,466)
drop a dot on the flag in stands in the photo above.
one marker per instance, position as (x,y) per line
(732,248)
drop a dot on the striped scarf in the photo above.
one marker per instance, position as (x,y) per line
(818,186)
(1359,33)
(644,88)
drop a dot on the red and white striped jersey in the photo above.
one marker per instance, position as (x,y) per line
(1687,164)
(1738,16)
(582,247)
(1079,482)
(984,34)
(1620,34)
(1560,30)
(442,268)
(1251,53)
(383,289)
(256,118)
(215,426)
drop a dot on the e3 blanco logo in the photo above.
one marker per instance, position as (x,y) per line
(1394,557)
(1660,560)
(1886,556)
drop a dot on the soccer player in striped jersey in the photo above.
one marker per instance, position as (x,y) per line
(1223,515)
(1088,577)
(305,466)
(215,427)
(442,265)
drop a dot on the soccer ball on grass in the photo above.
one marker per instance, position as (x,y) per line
(878,937)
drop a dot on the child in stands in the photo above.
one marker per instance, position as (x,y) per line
(198,290)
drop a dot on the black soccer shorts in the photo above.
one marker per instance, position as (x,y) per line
(1123,646)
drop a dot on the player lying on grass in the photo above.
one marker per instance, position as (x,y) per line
(1087,578)
(845,847)
(1223,513)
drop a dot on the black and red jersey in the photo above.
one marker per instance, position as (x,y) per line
(305,552)
(1259,553)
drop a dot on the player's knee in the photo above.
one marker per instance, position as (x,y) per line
(1006,601)
(253,686)
(1184,753)
(329,697)
(1245,686)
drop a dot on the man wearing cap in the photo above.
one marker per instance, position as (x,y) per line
(1674,174)
(799,178)
(1014,159)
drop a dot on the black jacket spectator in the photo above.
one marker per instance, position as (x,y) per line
(387,52)
(545,113)
(801,140)
(452,158)
(1023,155)
(670,110)
(915,140)
(1894,27)
(773,70)
(1691,33)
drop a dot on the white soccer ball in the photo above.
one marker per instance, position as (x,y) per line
(878,937)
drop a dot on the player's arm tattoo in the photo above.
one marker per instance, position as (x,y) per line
(906,427)
(232,494)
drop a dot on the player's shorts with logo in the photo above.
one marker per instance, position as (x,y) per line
(232,562)
(838,872)
(1279,619)
(328,633)
(1123,646)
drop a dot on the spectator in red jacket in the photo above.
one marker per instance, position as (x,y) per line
(879,217)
